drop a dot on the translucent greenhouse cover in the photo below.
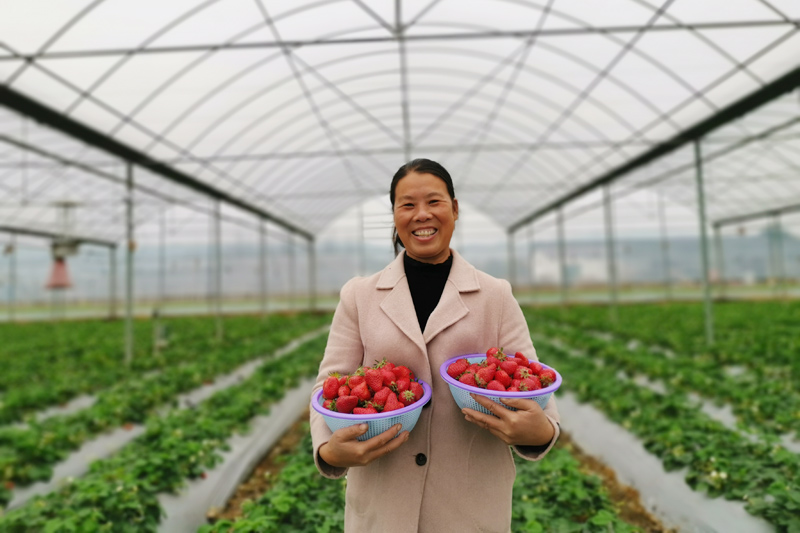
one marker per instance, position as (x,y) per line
(304,109)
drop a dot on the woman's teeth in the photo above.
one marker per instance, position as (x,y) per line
(424,232)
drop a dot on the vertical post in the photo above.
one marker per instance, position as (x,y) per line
(162,259)
(218,269)
(262,266)
(662,220)
(562,255)
(12,278)
(129,266)
(292,280)
(531,261)
(312,274)
(362,254)
(780,258)
(720,253)
(701,209)
(512,260)
(611,256)
(112,282)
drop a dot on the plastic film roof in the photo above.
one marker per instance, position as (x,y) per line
(302,109)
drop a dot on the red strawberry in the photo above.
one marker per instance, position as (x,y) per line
(521,359)
(392,403)
(536,368)
(389,378)
(456,368)
(369,410)
(407,398)
(491,352)
(495,385)
(9,485)
(503,377)
(468,378)
(403,384)
(474,367)
(531,383)
(381,396)
(346,404)
(515,383)
(344,390)
(329,405)
(512,388)
(355,380)
(509,366)
(417,389)
(492,360)
(374,379)
(522,372)
(484,376)
(402,371)
(548,376)
(343,380)
(361,391)
(330,389)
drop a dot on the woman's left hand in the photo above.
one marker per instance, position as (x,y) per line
(527,426)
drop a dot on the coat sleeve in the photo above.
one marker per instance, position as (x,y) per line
(515,335)
(343,353)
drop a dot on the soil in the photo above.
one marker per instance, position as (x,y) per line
(260,479)
(624,497)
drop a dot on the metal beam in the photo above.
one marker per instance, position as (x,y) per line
(701,213)
(455,36)
(757,215)
(31,232)
(86,134)
(776,88)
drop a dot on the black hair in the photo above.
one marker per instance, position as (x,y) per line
(420,166)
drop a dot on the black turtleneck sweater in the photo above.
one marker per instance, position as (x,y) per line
(426,281)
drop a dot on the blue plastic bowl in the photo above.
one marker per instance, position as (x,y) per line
(378,423)
(461,392)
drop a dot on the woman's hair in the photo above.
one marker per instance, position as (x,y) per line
(420,166)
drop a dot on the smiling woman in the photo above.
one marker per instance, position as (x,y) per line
(425,307)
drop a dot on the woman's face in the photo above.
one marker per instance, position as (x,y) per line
(425,217)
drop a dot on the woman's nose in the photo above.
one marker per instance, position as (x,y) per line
(423,213)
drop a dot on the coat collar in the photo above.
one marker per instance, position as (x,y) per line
(399,306)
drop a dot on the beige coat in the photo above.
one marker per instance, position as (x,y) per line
(465,483)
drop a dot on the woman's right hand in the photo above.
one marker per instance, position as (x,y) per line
(345,450)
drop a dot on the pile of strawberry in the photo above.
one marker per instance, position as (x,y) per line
(502,372)
(370,390)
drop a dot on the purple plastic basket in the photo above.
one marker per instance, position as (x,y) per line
(378,423)
(461,392)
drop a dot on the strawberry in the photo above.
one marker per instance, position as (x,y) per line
(515,383)
(417,389)
(355,380)
(344,390)
(548,376)
(491,352)
(484,376)
(474,367)
(530,383)
(402,371)
(403,384)
(343,380)
(521,359)
(503,377)
(330,405)
(330,388)
(9,485)
(536,368)
(361,391)
(364,410)
(381,396)
(509,366)
(456,368)
(346,404)
(522,372)
(389,378)
(374,379)
(392,403)
(407,398)
(468,378)
(512,388)
(495,385)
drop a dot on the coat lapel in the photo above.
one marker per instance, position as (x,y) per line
(398,305)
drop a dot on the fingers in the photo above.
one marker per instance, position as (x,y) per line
(493,407)
(522,404)
(482,420)
(352,432)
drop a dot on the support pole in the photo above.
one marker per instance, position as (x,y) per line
(780,258)
(562,255)
(129,267)
(218,270)
(162,259)
(611,256)
(292,277)
(701,211)
(112,283)
(662,221)
(362,254)
(312,275)
(12,278)
(262,267)
(532,261)
(512,260)
(720,254)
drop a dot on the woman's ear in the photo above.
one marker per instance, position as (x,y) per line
(455,209)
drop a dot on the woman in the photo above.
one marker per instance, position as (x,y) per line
(455,471)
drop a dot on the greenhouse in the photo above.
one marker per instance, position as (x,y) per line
(187,186)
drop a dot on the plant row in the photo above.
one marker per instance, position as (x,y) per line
(120,493)
(28,454)
(762,399)
(46,364)
(718,461)
(553,494)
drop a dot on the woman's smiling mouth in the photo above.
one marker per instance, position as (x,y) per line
(427,232)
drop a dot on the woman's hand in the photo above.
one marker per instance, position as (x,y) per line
(344,450)
(527,426)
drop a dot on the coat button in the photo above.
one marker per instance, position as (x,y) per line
(421,459)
